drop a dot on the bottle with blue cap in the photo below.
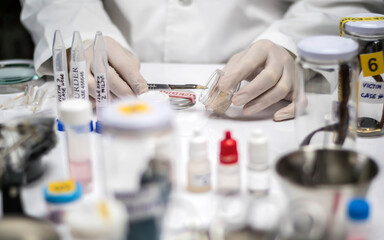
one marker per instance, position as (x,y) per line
(60,196)
(368,30)
(326,92)
(358,219)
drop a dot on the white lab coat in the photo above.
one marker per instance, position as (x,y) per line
(189,31)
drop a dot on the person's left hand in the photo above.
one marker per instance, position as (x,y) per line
(270,69)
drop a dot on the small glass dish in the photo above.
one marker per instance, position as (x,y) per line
(215,99)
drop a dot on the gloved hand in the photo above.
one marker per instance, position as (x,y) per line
(271,71)
(123,71)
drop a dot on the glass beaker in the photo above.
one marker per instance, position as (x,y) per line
(370,108)
(325,113)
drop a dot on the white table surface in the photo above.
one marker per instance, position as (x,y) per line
(280,136)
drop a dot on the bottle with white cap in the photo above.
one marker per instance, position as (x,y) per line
(199,170)
(326,99)
(368,30)
(76,115)
(258,168)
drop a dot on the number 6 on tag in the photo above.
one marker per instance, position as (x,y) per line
(372,64)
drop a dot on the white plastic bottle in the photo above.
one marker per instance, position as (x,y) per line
(258,176)
(199,170)
(358,219)
(228,175)
(76,115)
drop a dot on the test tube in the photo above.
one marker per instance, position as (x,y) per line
(78,70)
(60,71)
(78,66)
(99,67)
(76,114)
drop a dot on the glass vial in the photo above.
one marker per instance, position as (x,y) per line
(326,92)
(358,219)
(228,176)
(76,115)
(258,169)
(213,98)
(199,170)
(370,37)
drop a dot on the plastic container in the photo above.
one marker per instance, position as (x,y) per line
(97,220)
(139,158)
(326,97)
(228,176)
(199,169)
(213,98)
(76,115)
(133,128)
(60,196)
(358,219)
(370,37)
(258,180)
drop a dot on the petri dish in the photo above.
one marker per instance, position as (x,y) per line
(15,74)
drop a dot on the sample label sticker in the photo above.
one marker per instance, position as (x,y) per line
(79,80)
(62,187)
(371,92)
(134,109)
(201,180)
(102,91)
(372,64)
(61,86)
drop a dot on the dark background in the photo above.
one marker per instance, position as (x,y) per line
(15,41)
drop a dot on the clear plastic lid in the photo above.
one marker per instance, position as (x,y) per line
(215,99)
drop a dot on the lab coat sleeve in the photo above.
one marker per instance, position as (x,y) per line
(306,18)
(43,17)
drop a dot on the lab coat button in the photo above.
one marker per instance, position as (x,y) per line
(185,2)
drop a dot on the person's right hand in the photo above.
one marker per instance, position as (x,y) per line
(123,71)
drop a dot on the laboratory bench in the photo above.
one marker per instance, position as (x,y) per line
(280,135)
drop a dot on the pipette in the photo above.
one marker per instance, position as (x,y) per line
(99,66)
(78,66)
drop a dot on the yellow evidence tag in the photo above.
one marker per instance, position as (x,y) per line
(343,21)
(62,187)
(134,109)
(372,64)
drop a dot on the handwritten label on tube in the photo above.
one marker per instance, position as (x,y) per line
(102,98)
(61,86)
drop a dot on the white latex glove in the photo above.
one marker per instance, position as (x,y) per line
(271,71)
(123,71)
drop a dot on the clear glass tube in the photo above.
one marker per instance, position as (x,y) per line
(326,103)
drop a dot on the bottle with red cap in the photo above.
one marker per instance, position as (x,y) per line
(228,176)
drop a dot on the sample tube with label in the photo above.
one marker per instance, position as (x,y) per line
(78,70)
(99,68)
(76,114)
(60,71)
